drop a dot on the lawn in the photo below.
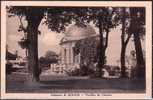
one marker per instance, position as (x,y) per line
(17,82)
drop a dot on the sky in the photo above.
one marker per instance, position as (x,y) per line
(49,40)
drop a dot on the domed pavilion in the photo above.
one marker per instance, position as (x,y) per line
(79,45)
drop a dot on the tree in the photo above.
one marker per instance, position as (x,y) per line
(103,20)
(51,57)
(125,37)
(137,29)
(33,15)
(125,18)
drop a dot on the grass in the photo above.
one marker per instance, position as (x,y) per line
(18,83)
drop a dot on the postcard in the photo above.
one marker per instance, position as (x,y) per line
(76,50)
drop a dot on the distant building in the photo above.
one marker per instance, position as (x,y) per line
(15,60)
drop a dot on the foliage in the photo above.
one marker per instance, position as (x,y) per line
(49,58)
(83,71)
(88,49)
(26,12)
(138,16)
(51,55)
(56,20)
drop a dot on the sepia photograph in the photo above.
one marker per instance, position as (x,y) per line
(74,51)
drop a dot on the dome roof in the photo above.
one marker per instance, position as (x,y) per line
(77,32)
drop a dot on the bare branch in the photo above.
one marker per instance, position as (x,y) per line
(21,24)
(128,38)
(107,35)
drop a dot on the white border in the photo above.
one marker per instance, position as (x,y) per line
(146,4)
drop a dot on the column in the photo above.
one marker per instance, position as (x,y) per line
(72,55)
(69,55)
(64,55)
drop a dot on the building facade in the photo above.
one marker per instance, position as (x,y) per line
(79,46)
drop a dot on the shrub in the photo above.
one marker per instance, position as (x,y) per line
(9,68)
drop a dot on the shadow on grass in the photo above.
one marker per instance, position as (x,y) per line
(122,84)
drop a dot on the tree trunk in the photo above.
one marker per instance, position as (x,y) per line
(101,53)
(140,72)
(138,48)
(34,17)
(33,53)
(123,47)
(101,58)
(139,56)
(123,52)
(122,58)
